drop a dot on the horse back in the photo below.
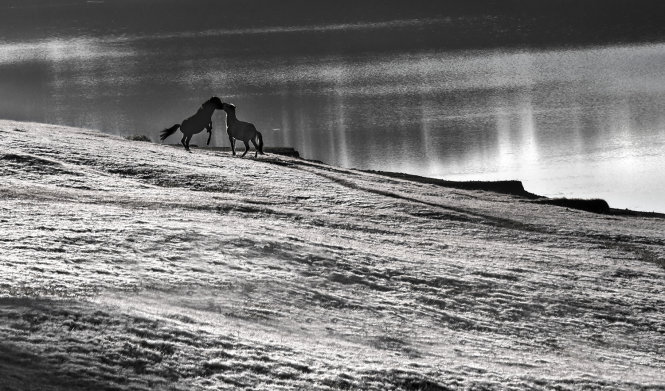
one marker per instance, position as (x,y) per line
(242,130)
(195,124)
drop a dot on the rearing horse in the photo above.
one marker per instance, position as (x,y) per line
(241,130)
(196,123)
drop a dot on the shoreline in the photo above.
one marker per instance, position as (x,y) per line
(516,188)
(510,187)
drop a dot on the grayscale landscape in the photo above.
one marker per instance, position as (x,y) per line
(129,265)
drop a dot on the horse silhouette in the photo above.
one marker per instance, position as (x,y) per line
(196,123)
(241,130)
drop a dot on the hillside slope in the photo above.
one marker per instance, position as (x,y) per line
(130,265)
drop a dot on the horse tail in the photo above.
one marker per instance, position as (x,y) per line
(260,137)
(167,132)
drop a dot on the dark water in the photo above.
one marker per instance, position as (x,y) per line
(576,123)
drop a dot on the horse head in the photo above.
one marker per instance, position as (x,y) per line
(215,102)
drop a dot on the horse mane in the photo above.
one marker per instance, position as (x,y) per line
(215,101)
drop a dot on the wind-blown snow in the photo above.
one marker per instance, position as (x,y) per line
(130,265)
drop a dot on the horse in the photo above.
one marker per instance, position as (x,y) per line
(241,130)
(196,123)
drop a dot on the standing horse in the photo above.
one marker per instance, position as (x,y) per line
(196,123)
(240,130)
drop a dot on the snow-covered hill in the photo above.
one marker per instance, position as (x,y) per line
(130,265)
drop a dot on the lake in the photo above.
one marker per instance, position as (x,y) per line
(585,122)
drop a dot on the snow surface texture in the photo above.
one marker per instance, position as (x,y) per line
(130,265)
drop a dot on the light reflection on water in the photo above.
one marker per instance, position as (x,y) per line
(578,123)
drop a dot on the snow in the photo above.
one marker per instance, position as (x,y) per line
(131,265)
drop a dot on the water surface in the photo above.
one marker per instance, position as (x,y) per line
(577,123)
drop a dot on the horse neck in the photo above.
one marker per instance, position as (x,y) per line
(231,116)
(207,110)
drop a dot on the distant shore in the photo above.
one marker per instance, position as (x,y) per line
(512,187)
(516,188)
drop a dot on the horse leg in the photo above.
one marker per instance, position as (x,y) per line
(188,140)
(246,148)
(256,148)
(209,129)
(233,145)
(184,142)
